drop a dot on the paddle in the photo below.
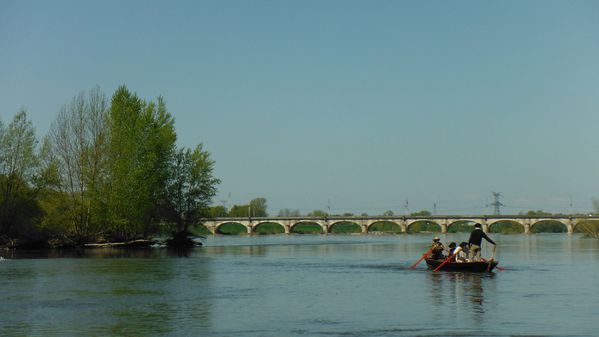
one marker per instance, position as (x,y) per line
(491,260)
(422,258)
(449,258)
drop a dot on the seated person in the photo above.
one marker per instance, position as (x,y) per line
(451,251)
(437,249)
(463,254)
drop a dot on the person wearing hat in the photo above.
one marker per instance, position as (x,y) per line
(476,237)
(437,249)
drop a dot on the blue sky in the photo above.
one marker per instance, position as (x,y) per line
(363,103)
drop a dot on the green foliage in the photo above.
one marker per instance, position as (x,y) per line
(232,228)
(386,227)
(307,228)
(199,230)
(506,227)
(421,213)
(589,228)
(549,226)
(75,157)
(461,227)
(258,207)
(19,165)
(217,212)
(536,213)
(345,227)
(190,187)
(424,227)
(142,141)
(269,228)
(286,212)
(239,211)
(317,214)
(388,213)
(105,170)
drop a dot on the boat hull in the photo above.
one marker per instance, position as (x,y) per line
(477,267)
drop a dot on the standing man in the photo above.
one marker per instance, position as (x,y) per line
(476,238)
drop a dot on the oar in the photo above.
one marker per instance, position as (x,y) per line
(491,259)
(449,258)
(497,267)
(422,258)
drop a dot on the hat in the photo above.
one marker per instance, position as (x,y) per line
(436,238)
(452,244)
(463,244)
(477,225)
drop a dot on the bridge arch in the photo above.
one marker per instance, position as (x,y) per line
(424,226)
(385,226)
(507,226)
(306,227)
(548,226)
(461,225)
(345,226)
(231,228)
(268,227)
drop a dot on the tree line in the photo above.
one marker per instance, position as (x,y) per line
(108,170)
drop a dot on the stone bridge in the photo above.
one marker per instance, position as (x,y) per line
(403,222)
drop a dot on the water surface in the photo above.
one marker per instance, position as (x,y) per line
(334,285)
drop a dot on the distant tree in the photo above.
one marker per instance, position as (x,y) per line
(364,214)
(536,213)
(239,211)
(388,213)
(258,207)
(286,212)
(348,214)
(317,213)
(218,212)
(421,213)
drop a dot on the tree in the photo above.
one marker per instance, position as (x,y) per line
(536,213)
(421,213)
(239,211)
(258,207)
(217,212)
(286,212)
(317,214)
(19,166)
(77,148)
(388,213)
(141,146)
(191,187)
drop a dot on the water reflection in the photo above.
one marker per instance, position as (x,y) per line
(459,294)
(149,292)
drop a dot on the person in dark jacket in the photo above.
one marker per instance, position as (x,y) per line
(476,237)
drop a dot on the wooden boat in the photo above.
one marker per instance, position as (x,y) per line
(478,267)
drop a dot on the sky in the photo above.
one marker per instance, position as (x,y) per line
(356,106)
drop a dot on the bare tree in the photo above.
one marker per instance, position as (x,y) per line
(78,138)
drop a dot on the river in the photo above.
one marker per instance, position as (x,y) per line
(310,285)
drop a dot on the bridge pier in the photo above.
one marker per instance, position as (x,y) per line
(570,226)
